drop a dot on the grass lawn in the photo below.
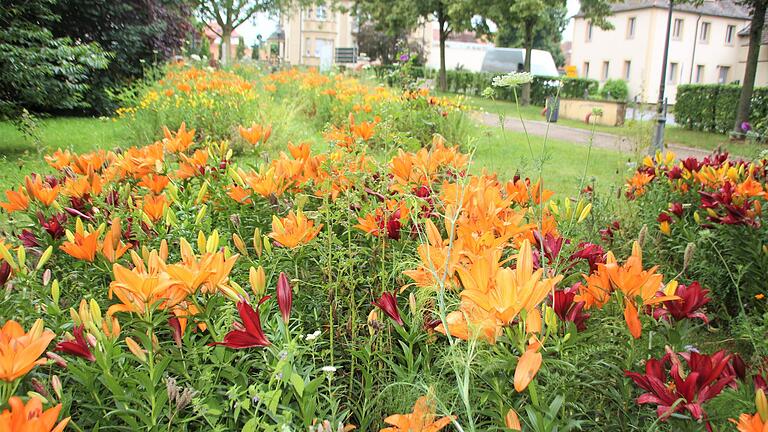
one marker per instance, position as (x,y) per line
(507,153)
(673,134)
(19,155)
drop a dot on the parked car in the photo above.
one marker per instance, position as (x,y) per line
(513,59)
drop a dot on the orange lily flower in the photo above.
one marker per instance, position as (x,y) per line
(471,321)
(178,141)
(156,183)
(20,351)
(422,419)
(90,184)
(293,230)
(750,423)
(154,206)
(83,246)
(17,200)
(239,194)
(256,133)
(113,247)
(31,417)
(144,286)
(42,192)
(363,130)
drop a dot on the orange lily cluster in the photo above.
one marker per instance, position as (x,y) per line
(293,230)
(154,283)
(20,351)
(639,287)
(256,134)
(422,419)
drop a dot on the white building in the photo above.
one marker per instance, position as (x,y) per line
(312,34)
(704,46)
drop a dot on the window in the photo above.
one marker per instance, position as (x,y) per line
(722,74)
(699,74)
(308,47)
(627,68)
(631,27)
(586,70)
(321,13)
(590,28)
(704,32)
(606,66)
(672,73)
(677,29)
(310,13)
(729,32)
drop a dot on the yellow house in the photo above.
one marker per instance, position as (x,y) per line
(704,46)
(312,34)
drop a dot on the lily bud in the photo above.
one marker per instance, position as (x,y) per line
(762,404)
(56,385)
(258,280)
(284,296)
(239,244)
(44,258)
(47,274)
(267,245)
(201,193)
(55,291)
(257,243)
(512,421)
(135,349)
(201,214)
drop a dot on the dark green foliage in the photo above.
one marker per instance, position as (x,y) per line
(37,69)
(615,89)
(712,107)
(473,83)
(137,33)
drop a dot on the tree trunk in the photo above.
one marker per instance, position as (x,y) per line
(226,45)
(442,82)
(526,93)
(748,85)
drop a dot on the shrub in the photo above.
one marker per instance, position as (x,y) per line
(615,89)
(712,107)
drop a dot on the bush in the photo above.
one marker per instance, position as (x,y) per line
(712,107)
(615,89)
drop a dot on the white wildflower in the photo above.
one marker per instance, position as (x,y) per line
(312,336)
(329,369)
(512,79)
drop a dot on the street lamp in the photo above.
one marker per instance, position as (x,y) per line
(661,118)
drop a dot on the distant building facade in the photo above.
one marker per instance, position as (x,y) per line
(704,47)
(311,34)
(761,79)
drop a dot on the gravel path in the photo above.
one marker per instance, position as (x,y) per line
(579,136)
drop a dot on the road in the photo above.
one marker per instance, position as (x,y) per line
(579,136)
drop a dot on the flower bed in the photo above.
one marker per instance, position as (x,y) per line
(177,286)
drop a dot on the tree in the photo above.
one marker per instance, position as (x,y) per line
(230,14)
(39,71)
(137,33)
(381,45)
(240,53)
(758,10)
(528,17)
(548,36)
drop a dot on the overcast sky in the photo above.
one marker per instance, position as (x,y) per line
(264,25)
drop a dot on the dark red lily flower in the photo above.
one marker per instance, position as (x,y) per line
(607,233)
(388,304)
(284,296)
(692,164)
(28,239)
(760,382)
(551,245)
(592,253)
(394,225)
(78,347)
(692,298)
(664,217)
(676,209)
(569,310)
(705,379)
(248,334)
(53,226)
(675,173)
(5,273)
(739,367)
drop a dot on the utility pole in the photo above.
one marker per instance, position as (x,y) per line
(661,117)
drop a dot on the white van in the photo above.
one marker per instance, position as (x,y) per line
(476,57)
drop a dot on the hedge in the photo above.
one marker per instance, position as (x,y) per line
(712,107)
(473,83)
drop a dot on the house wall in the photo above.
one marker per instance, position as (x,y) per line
(308,29)
(761,78)
(645,49)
